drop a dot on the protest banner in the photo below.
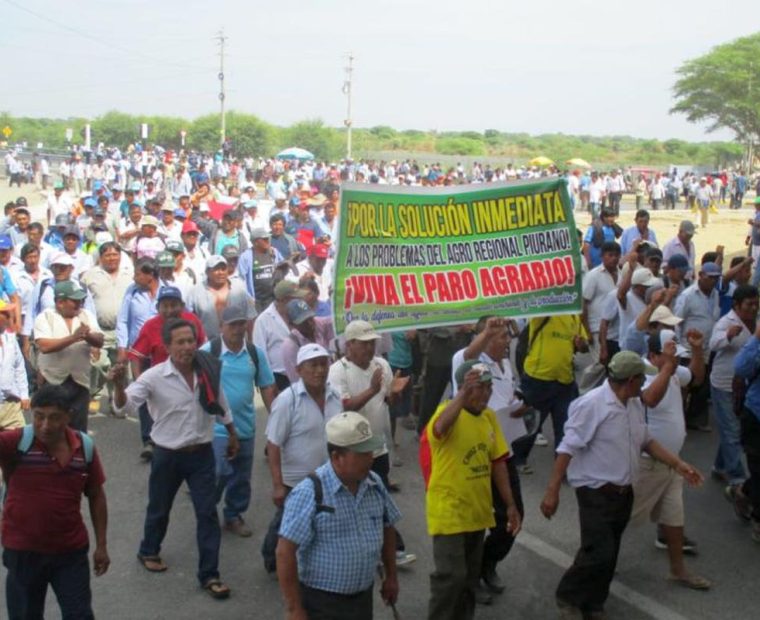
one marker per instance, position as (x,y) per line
(424,257)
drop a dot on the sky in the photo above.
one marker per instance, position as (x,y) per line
(584,67)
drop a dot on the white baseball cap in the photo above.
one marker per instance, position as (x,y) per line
(309,352)
(62,259)
(643,277)
(352,431)
(360,330)
(662,314)
(658,341)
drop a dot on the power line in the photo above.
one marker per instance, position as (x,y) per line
(221,39)
(89,36)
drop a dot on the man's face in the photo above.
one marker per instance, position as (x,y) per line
(129,196)
(635,384)
(61,273)
(234,332)
(261,245)
(170,308)
(110,260)
(228,225)
(68,308)
(49,424)
(190,239)
(352,467)
(707,283)
(329,211)
(685,237)
(32,261)
(360,352)
(277,227)
(642,223)
(70,243)
(232,264)
(22,220)
(167,217)
(5,256)
(317,264)
(184,203)
(135,215)
(608,220)
(747,309)
(308,328)
(478,398)
(610,260)
(144,277)
(217,276)
(653,263)
(182,347)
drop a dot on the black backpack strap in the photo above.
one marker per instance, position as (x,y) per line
(537,332)
(318,495)
(215,346)
(254,355)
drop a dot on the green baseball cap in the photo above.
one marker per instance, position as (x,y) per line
(477,365)
(69,289)
(165,259)
(625,365)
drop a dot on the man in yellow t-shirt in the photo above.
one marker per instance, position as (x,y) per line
(461,451)
(548,379)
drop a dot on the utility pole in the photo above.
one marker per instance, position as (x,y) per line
(347,92)
(750,149)
(221,39)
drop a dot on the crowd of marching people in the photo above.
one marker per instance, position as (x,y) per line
(178,288)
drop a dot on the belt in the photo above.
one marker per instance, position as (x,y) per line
(615,489)
(191,448)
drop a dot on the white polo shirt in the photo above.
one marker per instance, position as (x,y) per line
(596,284)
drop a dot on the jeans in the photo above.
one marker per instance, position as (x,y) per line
(457,559)
(146,424)
(168,469)
(323,605)
(728,460)
(233,478)
(29,575)
(697,410)
(751,443)
(549,397)
(499,541)
(603,518)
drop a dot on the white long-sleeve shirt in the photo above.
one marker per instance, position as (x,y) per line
(12,369)
(179,420)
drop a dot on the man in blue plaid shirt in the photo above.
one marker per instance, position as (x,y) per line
(330,546)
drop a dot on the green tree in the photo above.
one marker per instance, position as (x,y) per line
(312,135)
(723,88)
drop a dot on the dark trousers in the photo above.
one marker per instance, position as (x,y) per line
(435,381)
(281,381)
(323,605)
(550,398)
(499,541)
(381,465)
(750,435)
(603,518)
(457,559)
(269,544)
(168,469)
(29,575)
(696,412)
(146,424)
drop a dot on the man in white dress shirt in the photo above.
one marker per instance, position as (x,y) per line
(604,435)
(184,398)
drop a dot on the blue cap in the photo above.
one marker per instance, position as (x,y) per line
(678,261)
(6,243)
(711,269)
(96,185)
(250,204)
(180,214)
(169,292)
(295,201)
(90,202)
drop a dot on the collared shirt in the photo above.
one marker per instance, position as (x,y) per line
(82,262)
(350,380)
(324,282)
(43,299)
(747,366)
(596,284)
(503,401)
(605,438)
(722,373)
(632,234)
(74,360)
(203,303)
(634,306)
(107,293)
(13,380)
(338,551)
(297,426)
(42,511)
(239,377)
(25,284)
(179,420)
(698,311)
(137,306)
(149,345)
(324,333)
(269,332)
(665,421)
(673,247)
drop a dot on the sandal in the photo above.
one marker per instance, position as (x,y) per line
(216,589)
(152,563)
(695,582)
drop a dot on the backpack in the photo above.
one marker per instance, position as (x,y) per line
(524,344)
(318,494)
(215,348)
(27,438)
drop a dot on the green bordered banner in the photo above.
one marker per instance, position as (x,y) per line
(423,257)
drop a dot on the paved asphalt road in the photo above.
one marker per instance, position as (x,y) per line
(532,570)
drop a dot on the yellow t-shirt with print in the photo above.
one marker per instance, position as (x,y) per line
(550,357)
(459,464)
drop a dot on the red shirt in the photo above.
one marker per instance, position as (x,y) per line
(42,511)
(149,344)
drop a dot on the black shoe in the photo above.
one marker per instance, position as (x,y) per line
(147,452)
(492,580)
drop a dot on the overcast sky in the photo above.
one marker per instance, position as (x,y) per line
(579,67)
